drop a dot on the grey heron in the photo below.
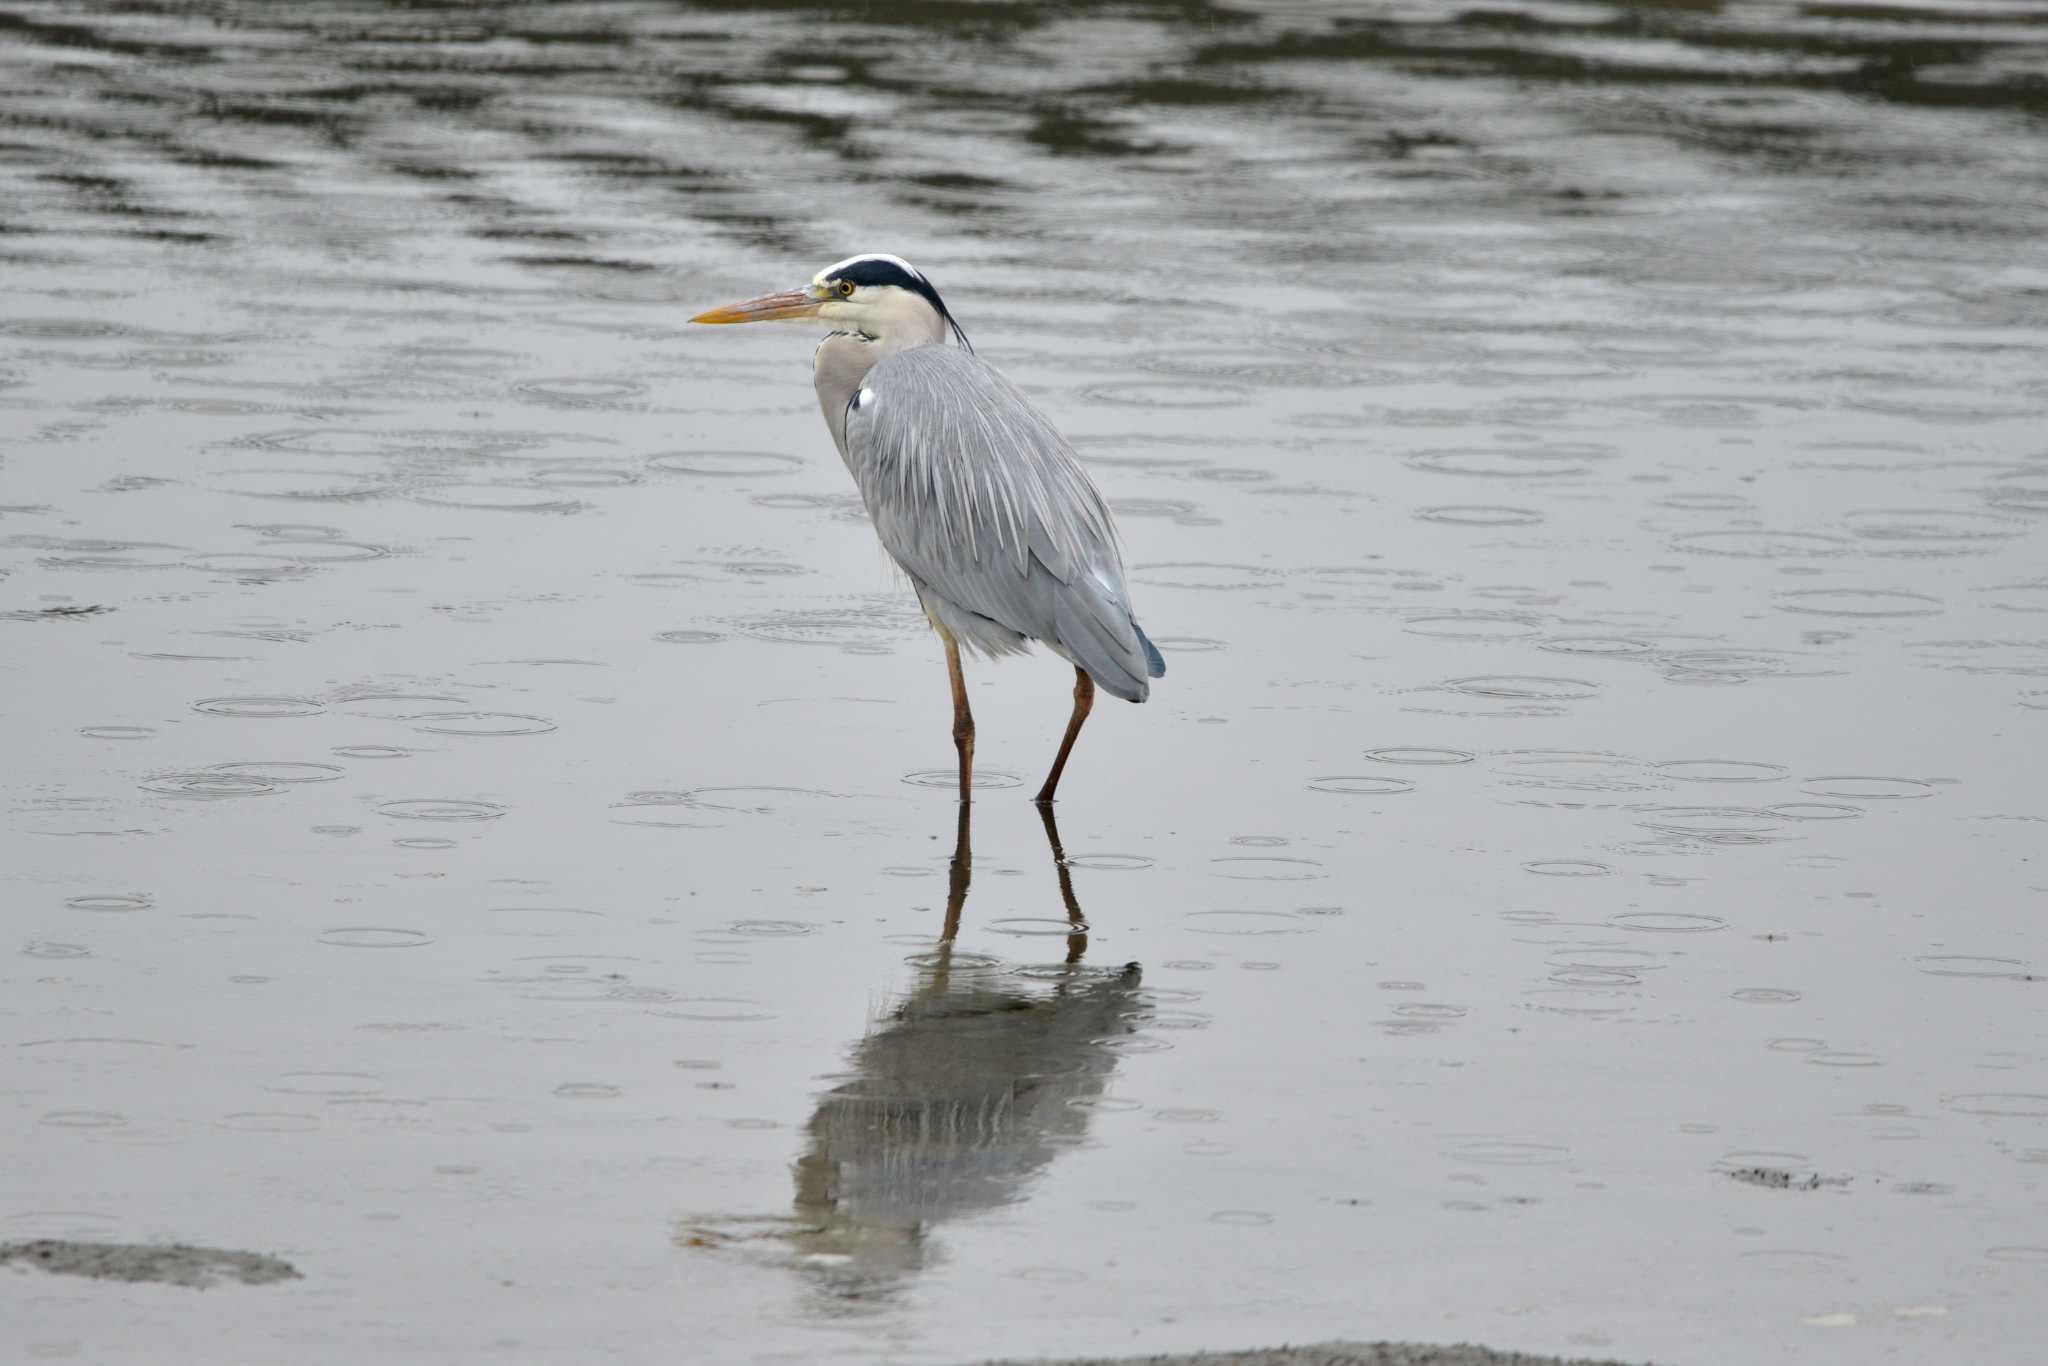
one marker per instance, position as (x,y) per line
(973,492)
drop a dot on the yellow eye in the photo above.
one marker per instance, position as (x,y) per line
(846,289)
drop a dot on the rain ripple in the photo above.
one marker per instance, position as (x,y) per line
(2000,1104)
(724,464)
(1966,965)
(373,937)
(1524,687)
(577,392)
(1715,824)
(1479,515)
(485,497)
(1568,868)
(1868,789)
(1361,786)
(867,628)
(481,723)
(1530,462)
(750,801)
(1723,771)
(950,778)
(1873,603)
(1931,531)
(1473,626)
(441,809)
(1404,754)
(1605,647)
(119,904)
(1668,922)
(281,772)
(206,786)
(1761,545)
(258,707)
(1197,574)
(1765,996)
(1110,862)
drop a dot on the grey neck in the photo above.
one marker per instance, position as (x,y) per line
(843,360)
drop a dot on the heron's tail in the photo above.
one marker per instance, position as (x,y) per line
(1155,667)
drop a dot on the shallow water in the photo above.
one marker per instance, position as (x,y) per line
(477,820)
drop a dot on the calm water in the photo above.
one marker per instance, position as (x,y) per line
(476,811)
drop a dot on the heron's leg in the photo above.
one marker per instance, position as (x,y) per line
(963,719)
(1084,698)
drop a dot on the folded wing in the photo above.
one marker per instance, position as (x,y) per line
(984,505)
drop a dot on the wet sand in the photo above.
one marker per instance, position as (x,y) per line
(1335,1354)
(168,1263)
(477,821)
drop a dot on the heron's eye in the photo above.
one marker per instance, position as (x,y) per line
(846,289)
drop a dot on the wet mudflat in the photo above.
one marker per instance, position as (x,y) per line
(1339,1354)
(477,819)
(169,1263)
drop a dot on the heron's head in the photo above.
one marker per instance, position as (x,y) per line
(881,297)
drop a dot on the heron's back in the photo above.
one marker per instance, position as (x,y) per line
(983,503)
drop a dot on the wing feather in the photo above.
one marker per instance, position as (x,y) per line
(987,509)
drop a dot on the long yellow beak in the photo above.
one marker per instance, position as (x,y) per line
(791,303)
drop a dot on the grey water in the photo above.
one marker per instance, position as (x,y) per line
(476,817)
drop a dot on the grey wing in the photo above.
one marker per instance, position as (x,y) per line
(984,505)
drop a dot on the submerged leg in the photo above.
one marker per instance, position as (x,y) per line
(1084,698)
(963,719)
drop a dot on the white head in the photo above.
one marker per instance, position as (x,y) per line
(881,297)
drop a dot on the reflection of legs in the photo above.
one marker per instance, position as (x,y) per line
(1084,698)
(1077,940)
(958,875)
(963,719)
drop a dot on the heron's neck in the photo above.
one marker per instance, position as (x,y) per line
(843,359)
(889,343)
(841,362)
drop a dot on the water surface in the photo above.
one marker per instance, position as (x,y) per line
(477,820)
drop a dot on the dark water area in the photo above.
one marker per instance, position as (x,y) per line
(478,817)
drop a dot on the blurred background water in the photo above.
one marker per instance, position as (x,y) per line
(476,810)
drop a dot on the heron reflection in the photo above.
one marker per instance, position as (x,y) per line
(961,1095)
